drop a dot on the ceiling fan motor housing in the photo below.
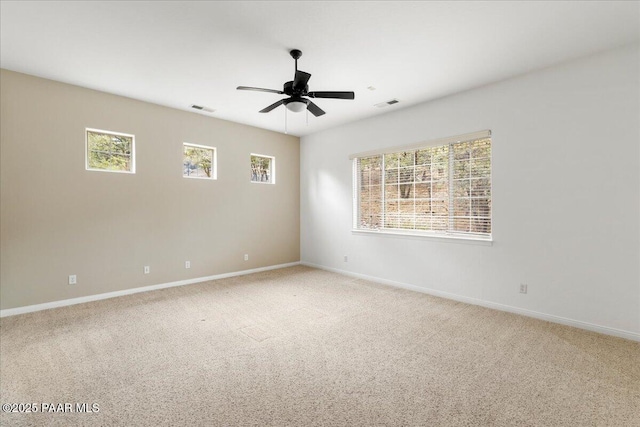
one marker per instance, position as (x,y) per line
(290,90)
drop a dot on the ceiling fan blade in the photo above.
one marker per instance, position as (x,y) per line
(334,95)
(301,79)
(258,89)
(315,110)
(272,106)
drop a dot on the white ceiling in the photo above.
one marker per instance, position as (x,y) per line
(182,53)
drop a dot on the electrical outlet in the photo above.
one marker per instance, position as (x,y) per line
(346,258)
(147,269)
(246,257)
(523,288)
(187,264)
(72,279)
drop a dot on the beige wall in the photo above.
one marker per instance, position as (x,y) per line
(58,219)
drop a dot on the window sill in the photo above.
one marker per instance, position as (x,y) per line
(110,171)
(443,238)
(208,178)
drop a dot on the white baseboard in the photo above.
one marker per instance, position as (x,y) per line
(80,300)
(475,301)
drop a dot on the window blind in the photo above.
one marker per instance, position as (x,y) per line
(432,189)
(440,141)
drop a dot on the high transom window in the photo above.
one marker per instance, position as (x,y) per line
(198,161)
(109,151)
(263,169)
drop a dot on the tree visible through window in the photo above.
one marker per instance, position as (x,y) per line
(198,161)
(262,169)
(441,189)
(109,151)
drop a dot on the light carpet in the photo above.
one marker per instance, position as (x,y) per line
(306,347)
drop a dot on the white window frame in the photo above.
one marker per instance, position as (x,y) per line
(272,168)
(408,232)
(214,161)
(108,132)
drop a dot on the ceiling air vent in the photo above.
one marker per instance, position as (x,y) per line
(201,108)
(386,103)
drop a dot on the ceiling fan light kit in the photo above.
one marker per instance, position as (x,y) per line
(296,105)
(298,92)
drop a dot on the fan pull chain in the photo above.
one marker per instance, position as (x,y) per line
(285,120)
(307,111)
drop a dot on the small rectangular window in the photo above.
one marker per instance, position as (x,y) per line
(199,161)
(263,169)
(109,151)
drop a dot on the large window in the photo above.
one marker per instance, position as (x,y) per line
(198,161)
(109,151)
(263,169)
(442,189)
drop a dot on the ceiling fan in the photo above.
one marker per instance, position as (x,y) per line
(297,90)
